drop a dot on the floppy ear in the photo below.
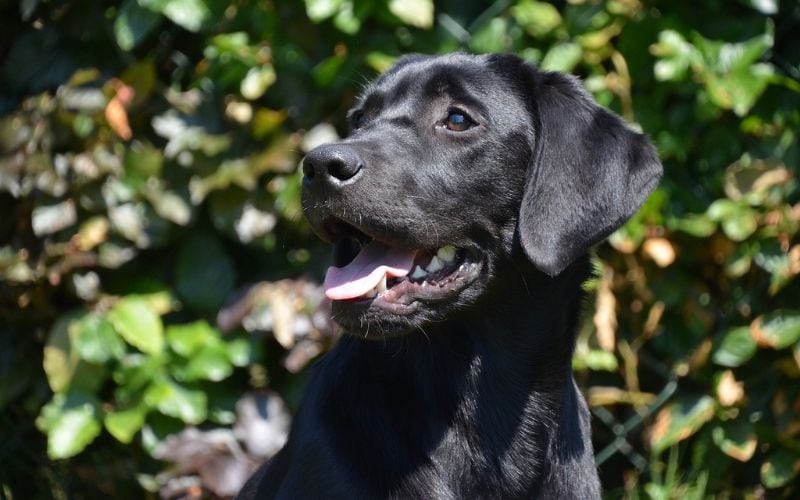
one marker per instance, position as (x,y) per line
(589,172)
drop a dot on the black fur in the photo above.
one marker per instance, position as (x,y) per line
(470,396)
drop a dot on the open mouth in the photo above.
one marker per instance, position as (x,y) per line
(370,271)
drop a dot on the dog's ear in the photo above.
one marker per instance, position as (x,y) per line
(589,172)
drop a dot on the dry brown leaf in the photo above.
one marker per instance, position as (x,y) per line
(116,115)
(729,391)
(660,250)
(605,316)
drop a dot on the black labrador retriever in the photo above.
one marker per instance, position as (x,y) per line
(460,209)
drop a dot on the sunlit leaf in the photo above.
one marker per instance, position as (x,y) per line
(677,421)
(124,424)
(417,13)
(136,321)
(736,348)
(319,10)
(188,339)
(71,422)
(777,329)
(60,359)
(209,363)
(176,401)
(189,14)
(257,81)
(96,341)
(562,57)
(538,18)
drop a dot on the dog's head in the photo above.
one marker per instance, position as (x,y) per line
(452,165)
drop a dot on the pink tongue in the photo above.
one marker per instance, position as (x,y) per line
(366,271)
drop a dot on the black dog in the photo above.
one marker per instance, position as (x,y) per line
(460,208)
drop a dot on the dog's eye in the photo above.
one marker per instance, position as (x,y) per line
(458,121)
(359,119)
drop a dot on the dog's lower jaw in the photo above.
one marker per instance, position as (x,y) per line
(464,412)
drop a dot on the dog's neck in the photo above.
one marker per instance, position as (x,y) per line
(490,374)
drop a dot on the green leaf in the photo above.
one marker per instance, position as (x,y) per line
(737,439)
(596,360)
(777,329)
(493,37)
(189,14)
(741,224)
(257,81)
(124,424)
(142,162)
(136,321)
(210,363)
(204,274)
(135,372)
(319,10)
(736,348)
(176,401)
(346,19)
(417,13)
(60,360)
(562,57)
(679,420)
(538,18)
(133,24)
(240,352)
(675,55)
(188,339)
(780,468)
(96,341)
(768,7)
(739,91)
(71,422)
(697,225)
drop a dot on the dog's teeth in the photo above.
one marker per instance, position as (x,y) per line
(418,273)
(381,287)
(447,253)
(372,293)
(434,265)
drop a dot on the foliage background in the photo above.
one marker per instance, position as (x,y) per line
(159,305)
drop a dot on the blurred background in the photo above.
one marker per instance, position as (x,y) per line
(159,289)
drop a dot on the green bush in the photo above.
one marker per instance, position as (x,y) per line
(158,283)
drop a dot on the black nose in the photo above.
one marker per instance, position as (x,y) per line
(332,163)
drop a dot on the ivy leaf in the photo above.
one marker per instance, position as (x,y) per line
(417,13)
(538,18)
(138,324)
(96,341)
(59,359)
(133,24)
(319,10)
(188,14)
(562,57)
(124,424)
(210,363)
(736,439)
(736,348)
(777,329)
(780,468)
(679,420)
(188,339)
(71,422)
(176,401)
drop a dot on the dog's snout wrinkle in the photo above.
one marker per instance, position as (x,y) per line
(332,164)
